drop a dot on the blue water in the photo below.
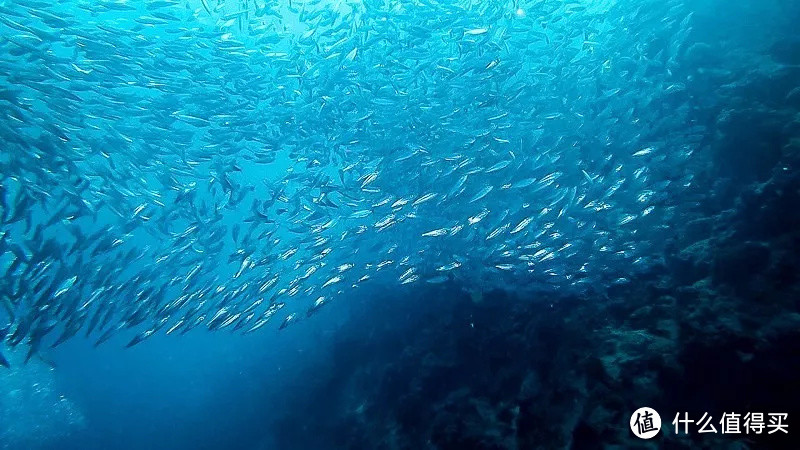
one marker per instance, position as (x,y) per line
(201,390)
(347,224)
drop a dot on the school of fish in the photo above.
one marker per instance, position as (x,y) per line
(174,164)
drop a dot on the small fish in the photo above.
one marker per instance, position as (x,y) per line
(476,31)
(478,217)
(332,280)
(481,194)
(139,338)
(318,303)
(287,321)
(424,198)
(498,166)
(436,233)
(521,225)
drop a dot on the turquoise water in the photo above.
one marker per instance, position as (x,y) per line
(200,197)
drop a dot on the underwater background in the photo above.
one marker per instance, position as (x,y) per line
(369,224)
